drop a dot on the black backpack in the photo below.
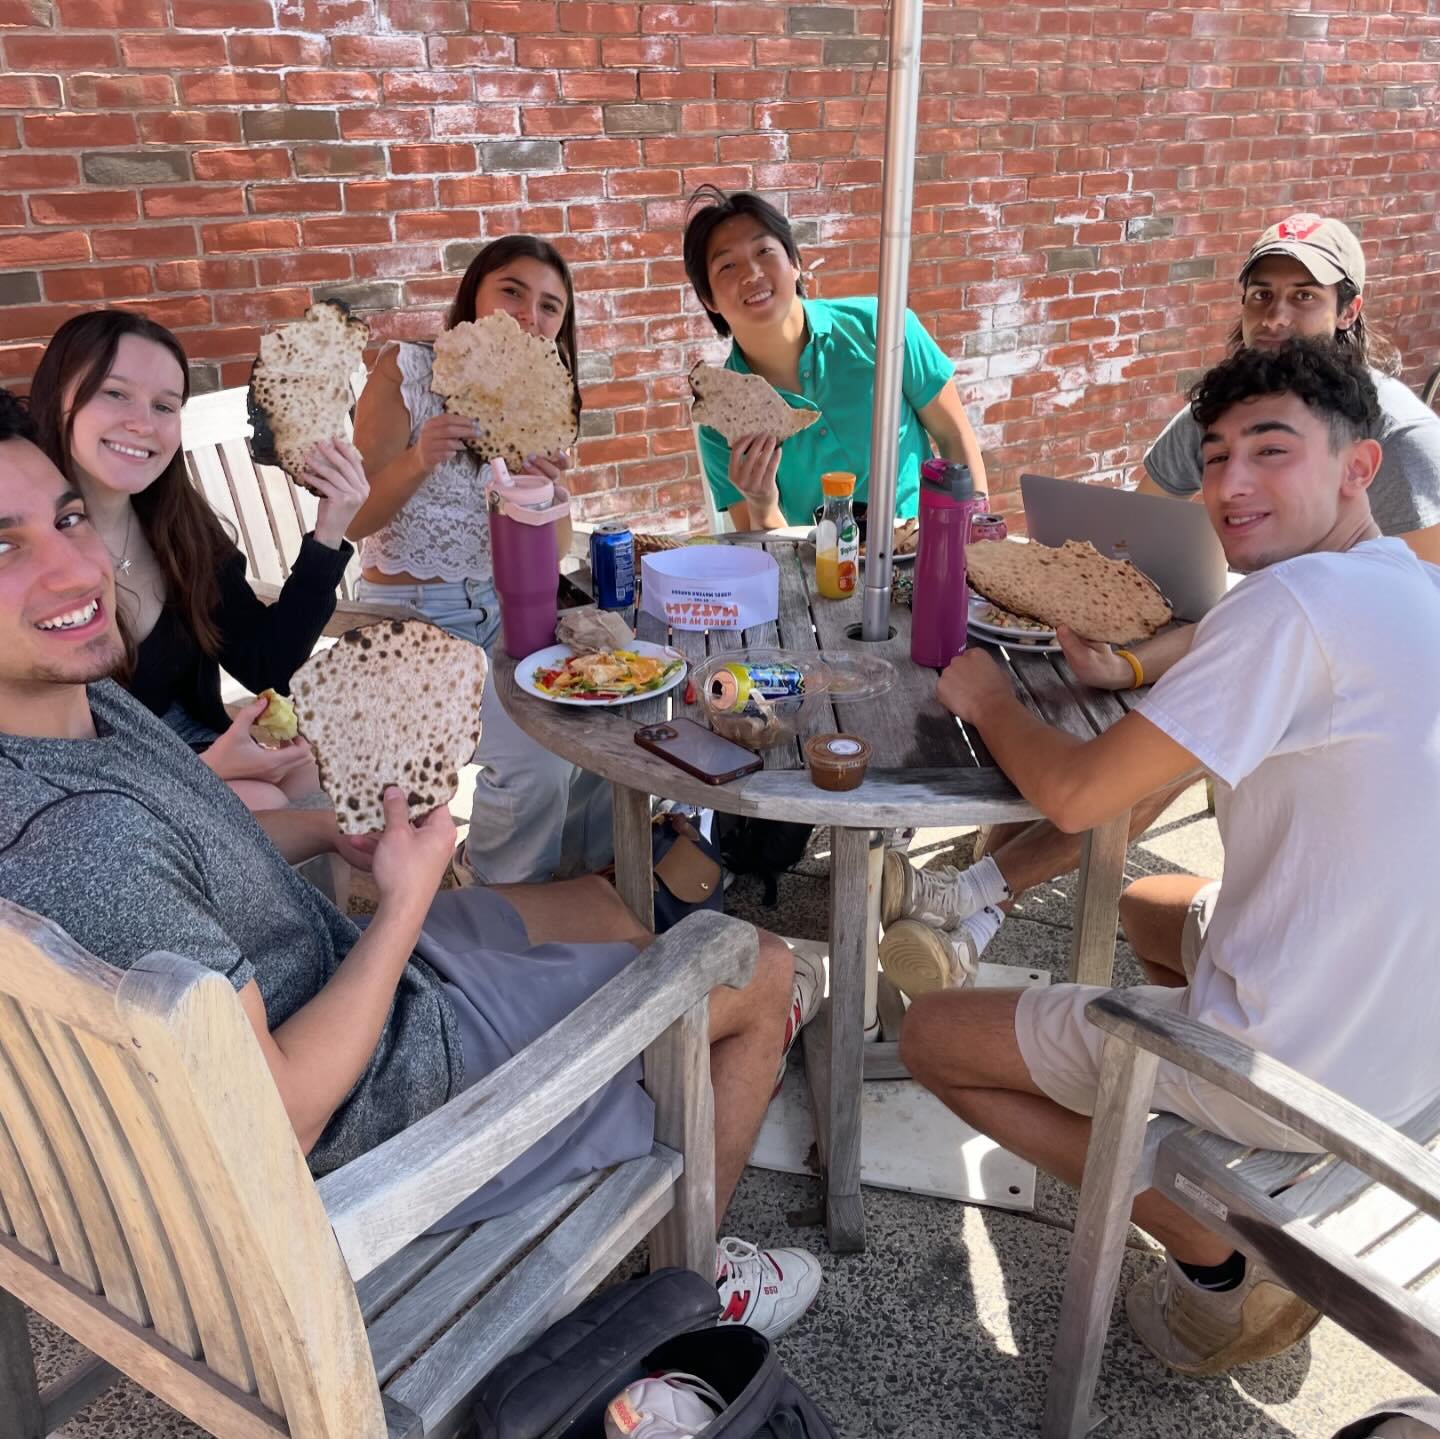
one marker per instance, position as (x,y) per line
(764,847)
(560,1384)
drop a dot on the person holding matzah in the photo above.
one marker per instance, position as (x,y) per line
(425,540)
(795,395)
(106,397)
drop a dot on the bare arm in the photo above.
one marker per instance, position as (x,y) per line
(1074,783)
(948,426)
(1425,543)
(1097,664)
(317,1054)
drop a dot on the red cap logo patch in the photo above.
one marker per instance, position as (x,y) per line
(1298,227)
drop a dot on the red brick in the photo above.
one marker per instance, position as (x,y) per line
(557,53)
(84,207)
(97,282)
(119,92)
(748,84)
(24,92)
(385,124)
(716,51)
(750,19)
(110,15)
(38,172)
(190,127)
(513,17)
(586,19)
(305,197)
(277,50)
(153,242)
(349,230)
(645,182)
(431,159)
(230,87)
(330,87)
(222,14)
(562,120)
(77,132)
(676,85)
(382,52)
(268,307)
(386,196)
(60,52)
(472,51)
(677,19)
(205,275)
(437,225)
(251,235)
(310,267)
(599,84)
(601,154)
(396,261)
(489,121)
(169,51)
(255,163)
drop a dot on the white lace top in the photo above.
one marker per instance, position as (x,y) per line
(442,529)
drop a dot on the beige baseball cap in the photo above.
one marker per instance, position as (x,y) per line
(1326,247)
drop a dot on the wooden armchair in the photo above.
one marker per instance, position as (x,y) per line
(1354,1230)
(155,1205)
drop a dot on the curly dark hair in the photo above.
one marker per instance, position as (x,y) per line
(1333,381)
(709,208)
(16,421)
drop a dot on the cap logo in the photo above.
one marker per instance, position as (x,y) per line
(1298,227)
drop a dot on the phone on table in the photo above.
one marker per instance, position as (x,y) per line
(697,750)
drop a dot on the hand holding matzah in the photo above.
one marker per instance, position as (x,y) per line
(410,859)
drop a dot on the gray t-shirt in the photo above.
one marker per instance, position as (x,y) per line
(132,845)
(1405,494)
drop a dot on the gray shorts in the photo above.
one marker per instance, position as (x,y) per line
(507,992)
(1061,1049)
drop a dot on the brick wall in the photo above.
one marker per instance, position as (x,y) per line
(1087,177)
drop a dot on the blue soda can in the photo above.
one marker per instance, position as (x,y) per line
(612,566)
(733,686)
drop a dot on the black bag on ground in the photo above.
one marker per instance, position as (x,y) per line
(561,1384)
(766,847)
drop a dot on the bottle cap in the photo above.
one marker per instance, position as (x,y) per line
(837,483)
(947,477)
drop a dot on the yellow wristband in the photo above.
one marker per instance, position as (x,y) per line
(1135,666)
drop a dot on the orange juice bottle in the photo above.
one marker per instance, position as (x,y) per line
(837,540)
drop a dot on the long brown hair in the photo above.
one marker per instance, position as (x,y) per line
(1375,349)
(188,540)
(495,256)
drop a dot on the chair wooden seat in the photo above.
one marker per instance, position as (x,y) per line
(155,1205)
(1354,1230)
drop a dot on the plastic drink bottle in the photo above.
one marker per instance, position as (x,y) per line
(940,608)
(837,538)
(524,510)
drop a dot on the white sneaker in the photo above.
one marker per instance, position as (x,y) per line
(805,999)
(940,897)
(918,959)
(768,1289)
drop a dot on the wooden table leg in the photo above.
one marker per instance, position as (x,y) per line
(1102,873)
(677,1068)
(841,1041)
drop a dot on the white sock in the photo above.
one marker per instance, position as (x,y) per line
(989,883)
(981,927)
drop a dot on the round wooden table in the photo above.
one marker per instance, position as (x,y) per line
(927,770)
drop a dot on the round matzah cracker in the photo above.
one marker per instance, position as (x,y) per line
(736,405)
(391,703)
(1075,585)
(514,385)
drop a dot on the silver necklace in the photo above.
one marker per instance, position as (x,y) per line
(122,561)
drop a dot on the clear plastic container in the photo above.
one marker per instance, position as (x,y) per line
(856,676)
(731,694)
(837,761)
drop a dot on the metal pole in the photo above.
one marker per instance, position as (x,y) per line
(898,181)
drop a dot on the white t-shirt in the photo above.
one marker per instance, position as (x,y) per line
(1312,694)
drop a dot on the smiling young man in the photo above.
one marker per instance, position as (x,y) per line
(1311,693)
(111,827)
(743,262)
(1304,278)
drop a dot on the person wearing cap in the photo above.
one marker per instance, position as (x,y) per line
(1305,277)
(743,262)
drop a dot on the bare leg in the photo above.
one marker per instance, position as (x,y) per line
(1038,851)
(960,1044)
(1153,912)
(747,1026)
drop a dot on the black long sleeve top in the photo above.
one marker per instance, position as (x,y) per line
(260,645)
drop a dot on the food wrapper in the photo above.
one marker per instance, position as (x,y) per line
(590,629)
(711,587)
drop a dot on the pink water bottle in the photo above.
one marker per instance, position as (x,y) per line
(524,510)
(940,610)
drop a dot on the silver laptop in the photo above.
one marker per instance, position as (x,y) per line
(1170,540)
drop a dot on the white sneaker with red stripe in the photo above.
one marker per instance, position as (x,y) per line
(768,1289)
(805,997)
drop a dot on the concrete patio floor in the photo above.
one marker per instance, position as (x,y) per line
(943,1328)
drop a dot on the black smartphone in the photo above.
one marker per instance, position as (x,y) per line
(697,750)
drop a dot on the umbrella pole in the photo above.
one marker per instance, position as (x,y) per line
(898,197)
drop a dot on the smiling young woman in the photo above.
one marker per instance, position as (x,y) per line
(106,398)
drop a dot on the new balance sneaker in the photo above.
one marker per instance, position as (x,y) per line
(918,959)
(768,1289)
(804,999)
(1205,1331)
(939,897)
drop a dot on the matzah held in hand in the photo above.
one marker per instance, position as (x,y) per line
(300,385)
(1075,585)
(390,703)
(514,385)
(737,405)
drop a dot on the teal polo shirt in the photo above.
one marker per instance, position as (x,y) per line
(837,376)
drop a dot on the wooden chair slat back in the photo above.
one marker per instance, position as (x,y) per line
(199,1163)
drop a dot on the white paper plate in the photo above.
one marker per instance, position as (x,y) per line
(1040,646)
(979,604)
(553,656)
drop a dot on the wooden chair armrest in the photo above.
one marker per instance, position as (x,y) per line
(1335,1124)
(382,1200)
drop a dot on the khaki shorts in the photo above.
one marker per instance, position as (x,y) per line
(1061,1049)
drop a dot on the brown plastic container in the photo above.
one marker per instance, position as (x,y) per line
(836,761)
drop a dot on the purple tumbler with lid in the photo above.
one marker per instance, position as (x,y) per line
(949,502)
(524,510)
